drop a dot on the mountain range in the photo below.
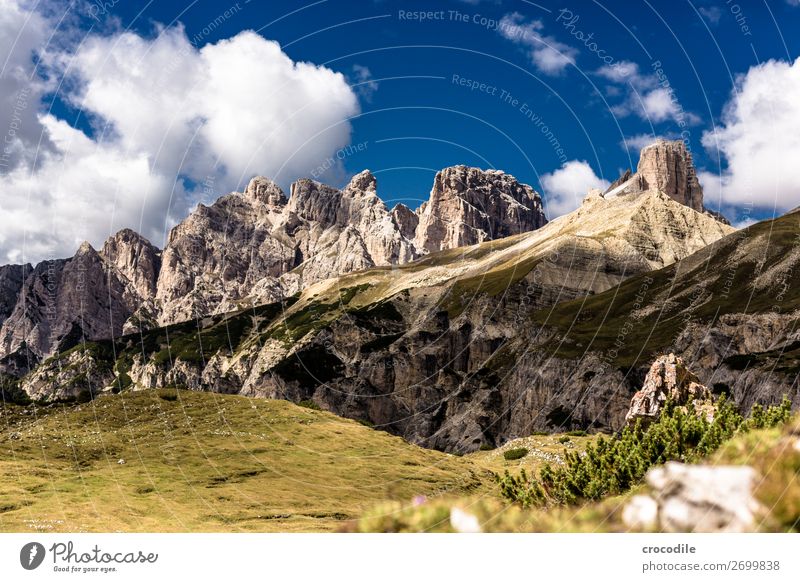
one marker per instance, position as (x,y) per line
(467,322)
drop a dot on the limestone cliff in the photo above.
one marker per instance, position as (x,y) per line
(666,166)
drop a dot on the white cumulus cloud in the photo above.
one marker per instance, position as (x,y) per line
(172,124)
(644,94)
(565,188)
(549,55)
(758,140)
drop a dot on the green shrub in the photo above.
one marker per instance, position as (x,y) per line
(613,465)
(514,454)
(564,440)
(309,404)
(761,417)
(576,433)
(486,447)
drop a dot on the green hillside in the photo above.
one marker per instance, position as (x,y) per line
(751,271)
(206,462)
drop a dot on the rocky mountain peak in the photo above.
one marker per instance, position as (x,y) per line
(665,166)
(469,205)
(266,191)
(362,182)
(312,200)
(85,249)
(406,220)
(135,258)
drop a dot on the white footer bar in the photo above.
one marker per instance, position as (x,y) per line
(465,557)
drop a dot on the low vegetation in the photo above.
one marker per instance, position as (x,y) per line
(773,452)
(514,454)
(611,466)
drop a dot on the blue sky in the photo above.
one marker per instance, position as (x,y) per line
(561,95)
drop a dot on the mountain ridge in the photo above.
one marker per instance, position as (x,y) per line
(252,247)
(423,350)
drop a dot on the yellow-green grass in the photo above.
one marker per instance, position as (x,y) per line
(207,462)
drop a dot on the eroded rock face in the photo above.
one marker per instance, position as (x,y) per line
(668,379)
(64,302)
(136,259)
(90,296)
(75,375)
(245,249)
(406,220)
(11,279)
(260,247)
(468,206)
(666,166)
(214,257)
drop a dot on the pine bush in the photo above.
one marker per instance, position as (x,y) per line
(514,454)
(613,465)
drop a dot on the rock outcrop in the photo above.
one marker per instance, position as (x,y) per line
(136,259)
(668,379)
(696,498)
(214,257)
(468,206)
(67,301)
(665,166)
(11,279)
(74,376)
